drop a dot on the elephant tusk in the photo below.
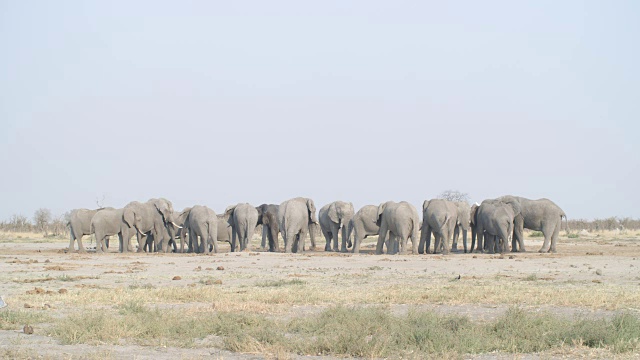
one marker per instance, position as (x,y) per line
(176,225)
(141,233)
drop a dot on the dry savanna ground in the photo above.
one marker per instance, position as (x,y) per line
(583,301)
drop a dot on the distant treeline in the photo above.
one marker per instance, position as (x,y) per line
(612,223)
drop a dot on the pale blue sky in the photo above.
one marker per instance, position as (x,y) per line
(215,103)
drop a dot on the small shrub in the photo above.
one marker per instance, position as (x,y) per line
(535,234)
(531,277)
(573,236)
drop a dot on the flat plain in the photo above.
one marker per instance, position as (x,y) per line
(583,301)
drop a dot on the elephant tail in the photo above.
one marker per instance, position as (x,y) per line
(563,215)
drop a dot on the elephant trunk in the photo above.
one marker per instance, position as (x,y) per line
(312,234)
(348,230)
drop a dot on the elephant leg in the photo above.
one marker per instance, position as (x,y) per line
(446,236)
(480,236)
(464,240)
(289,238)
(554,237)
(547,239)
(302,243)
(72,240)
(327,237)
(213,234)
(382,234)
(518,234)
(335,230)
(263,243)
(456,233)
(345,239)
(312,235)
(273,239)
(234,238)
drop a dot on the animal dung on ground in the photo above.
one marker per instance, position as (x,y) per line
(176,278)
(27,329)
(220,268)
(63,291)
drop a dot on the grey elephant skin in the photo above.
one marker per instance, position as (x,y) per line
(463,224)
(440,218)
(495,222)
(109,222)
(362,225)
(243,218)
(334,217)
(400,220)
(296,219)
(539,215)
(268,218)
(80,225)
(202,223)
(181,232)
(149,218)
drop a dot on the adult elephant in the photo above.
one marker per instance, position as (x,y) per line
(268,218)
(243,218)
(495,221)
(296,218)
(463,224)
(79,225)
(539,215)
(440,218)
(150,218)
(333,217)
(109,222)
(202,223)
(401,221)
(363,224)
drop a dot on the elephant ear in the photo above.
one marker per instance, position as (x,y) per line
(129,217)
(380,211)
(472,213)
(228,212)
(312,211)
(164,210)
(333,213)
(513,203)
(425,204)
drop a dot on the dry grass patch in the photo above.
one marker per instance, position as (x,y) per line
(16,319)
(370,332)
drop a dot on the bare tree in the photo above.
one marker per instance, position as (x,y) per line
(41,219)
(454,195)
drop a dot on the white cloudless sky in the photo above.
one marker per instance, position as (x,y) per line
(216,102)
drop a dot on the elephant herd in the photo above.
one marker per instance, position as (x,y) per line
(158,227)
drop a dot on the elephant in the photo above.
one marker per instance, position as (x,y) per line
(243,218)
(539,215)
(180,233)
(80,225)
(268,218)
(402,221)
(496,217)
(296,218)
(332,217)
(149,218)
(463,224)
(109,222)
(202,223)
(362,225)
(440,217)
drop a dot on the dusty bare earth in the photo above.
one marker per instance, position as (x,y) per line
(594,276)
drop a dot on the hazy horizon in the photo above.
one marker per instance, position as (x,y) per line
(217,103)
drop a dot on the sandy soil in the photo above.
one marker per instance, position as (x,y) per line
(605,266)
